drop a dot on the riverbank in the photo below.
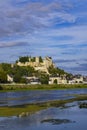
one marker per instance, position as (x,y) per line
(20,87)
(35,107)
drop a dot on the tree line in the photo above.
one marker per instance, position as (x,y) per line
(20,72)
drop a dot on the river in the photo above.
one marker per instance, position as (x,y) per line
(70,117)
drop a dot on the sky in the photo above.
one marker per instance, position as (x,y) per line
(56,28)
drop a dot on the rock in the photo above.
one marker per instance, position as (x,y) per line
(83,105)
(57,121)
(23,114)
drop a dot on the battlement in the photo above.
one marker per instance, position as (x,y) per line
(39,63)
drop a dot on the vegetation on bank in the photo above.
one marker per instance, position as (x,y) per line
(32,108)
(20,87)
(19,73)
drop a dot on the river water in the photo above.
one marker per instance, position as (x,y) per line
(71,117)
(26,97)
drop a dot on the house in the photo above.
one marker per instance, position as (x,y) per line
(9,78)
(78,79)
(32,80)
(85,80)
(58,79)
(35,81)
(71,81)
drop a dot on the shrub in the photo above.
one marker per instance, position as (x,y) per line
(1,88)
(24,59)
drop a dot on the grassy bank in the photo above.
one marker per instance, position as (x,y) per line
(17,87)
(32,108)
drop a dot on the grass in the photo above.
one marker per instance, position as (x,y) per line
(16,110)
(32,108)
(40,87)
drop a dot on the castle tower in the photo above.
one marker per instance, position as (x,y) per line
(29,59)
(12,65)
(37,59)
(48,62)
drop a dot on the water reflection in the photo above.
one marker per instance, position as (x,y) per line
(52,118)
(26,97)
(56,121)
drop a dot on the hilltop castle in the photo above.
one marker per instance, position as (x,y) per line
(38,63)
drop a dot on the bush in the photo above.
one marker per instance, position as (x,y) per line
(1,88)
(3,77)
(33,59)
(44,79)
(24,59)
(40,59)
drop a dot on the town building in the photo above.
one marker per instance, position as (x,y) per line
(59,80)
(9,78)
(78,79)
(32,80)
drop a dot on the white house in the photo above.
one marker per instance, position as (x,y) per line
(32,80)
(9,78)
(78,79)
(60,80)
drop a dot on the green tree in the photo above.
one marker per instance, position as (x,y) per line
(17,78)
(6,67)
(24,59)
(56,71)
(30,71)
(23,70)
(19,72)
(44,78)
(40,59)
(33,59)
(23,80)
(3,76)
(1,88)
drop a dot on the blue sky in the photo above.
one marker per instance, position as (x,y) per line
(56,28)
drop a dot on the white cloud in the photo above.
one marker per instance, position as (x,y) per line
(77,34)
(31,17)
(37,25)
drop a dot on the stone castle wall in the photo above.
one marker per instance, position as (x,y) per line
(41,66)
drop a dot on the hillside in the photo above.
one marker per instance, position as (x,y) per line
(25,67)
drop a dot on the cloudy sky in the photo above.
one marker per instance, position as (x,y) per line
(56,28)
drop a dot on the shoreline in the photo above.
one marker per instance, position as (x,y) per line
(35,107)
(25,87)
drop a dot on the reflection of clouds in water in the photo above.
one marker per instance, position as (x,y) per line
(33,119)
(45,118)
(21,98)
